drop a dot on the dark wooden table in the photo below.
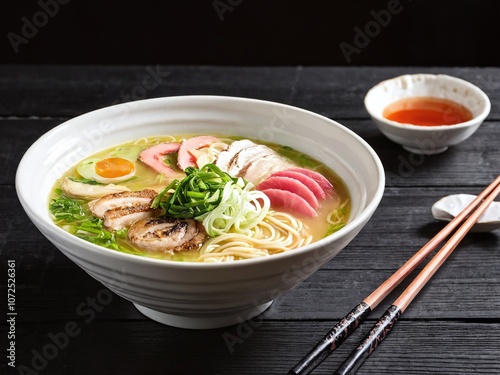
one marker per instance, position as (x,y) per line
(453,326)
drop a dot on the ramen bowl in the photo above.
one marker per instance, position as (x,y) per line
(427,139)
(189,294)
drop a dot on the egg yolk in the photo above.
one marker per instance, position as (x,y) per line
(114,167)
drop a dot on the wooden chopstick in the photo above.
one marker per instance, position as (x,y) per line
(336,336)
(384,325)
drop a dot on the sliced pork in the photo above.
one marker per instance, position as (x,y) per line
(251,161)
(120,218)
(265,165)
(226,157)
(240,162)
(121,200)
(167,234)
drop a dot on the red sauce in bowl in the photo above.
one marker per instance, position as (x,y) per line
(427,111)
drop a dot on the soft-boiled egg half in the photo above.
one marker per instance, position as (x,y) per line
(116,167)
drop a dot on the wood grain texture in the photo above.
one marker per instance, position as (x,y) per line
(270,347)
(452,327)
(336,92)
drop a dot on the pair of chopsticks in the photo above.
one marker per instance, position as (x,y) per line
(336,336)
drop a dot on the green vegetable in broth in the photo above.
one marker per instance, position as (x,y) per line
(67,209)
(195,195)
(87,181)
(93,231)
(332,228)
(301,159)
(73,217)
(337,219)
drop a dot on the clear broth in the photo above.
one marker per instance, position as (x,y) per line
(146,178)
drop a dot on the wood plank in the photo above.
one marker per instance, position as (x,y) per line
(449,295)
(336,92)
(474,162)
(80,89)
(64,292)
(17,137)
(266,348)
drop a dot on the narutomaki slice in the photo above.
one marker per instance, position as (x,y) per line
(319,178)
(289,202)
(185,158)
(152,157)
(291,185)
(316,189)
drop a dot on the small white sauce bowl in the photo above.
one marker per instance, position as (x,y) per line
(427,139)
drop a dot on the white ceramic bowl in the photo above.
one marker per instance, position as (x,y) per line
(198,295)
(427,139)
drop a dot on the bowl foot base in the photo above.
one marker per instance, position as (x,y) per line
(208,322)
(424,151)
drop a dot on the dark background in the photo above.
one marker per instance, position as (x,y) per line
(252,32)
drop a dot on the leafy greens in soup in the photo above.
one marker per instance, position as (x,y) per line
(200,198)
